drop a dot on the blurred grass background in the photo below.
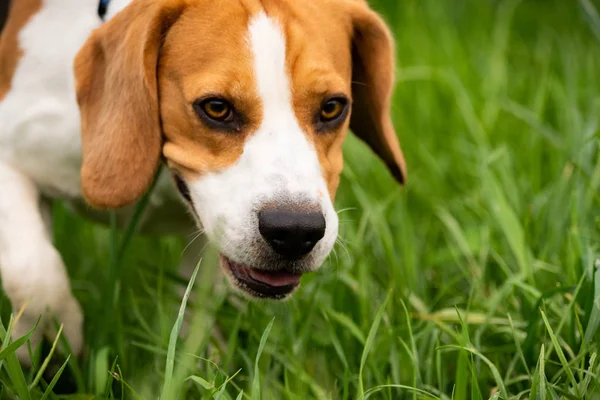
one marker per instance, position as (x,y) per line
(477,280)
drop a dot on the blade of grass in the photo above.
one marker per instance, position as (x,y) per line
(119,378)
(224,385)
(594,321)
(345,321)
(370,343)
(413,347)
(170,364)
(13,367)
(538,386)
(508,221)
(73,365)
(137,216)
(589,374)
(496,374)
(560,354)
(475,391)
(461,380)
(376,389)
(261,346)
(462,369)
(593,17)
(111,378)
(518,344)
(9,348)
(48,391)
(100,370)
(202,382)
(47,359)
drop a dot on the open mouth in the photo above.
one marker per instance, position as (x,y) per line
(264,284)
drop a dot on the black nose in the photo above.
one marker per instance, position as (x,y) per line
(292,234)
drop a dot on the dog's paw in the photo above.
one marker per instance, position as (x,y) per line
(69,315)
(38,287)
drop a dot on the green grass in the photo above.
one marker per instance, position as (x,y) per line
(478,280)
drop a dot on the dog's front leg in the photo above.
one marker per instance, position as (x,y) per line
(33,274)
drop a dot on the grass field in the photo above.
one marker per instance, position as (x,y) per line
(478,280)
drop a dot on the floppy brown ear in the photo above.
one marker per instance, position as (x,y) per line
(116,83)
(372,85)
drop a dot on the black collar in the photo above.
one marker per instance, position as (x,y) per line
(102,7)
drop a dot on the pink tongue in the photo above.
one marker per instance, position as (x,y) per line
(277,279)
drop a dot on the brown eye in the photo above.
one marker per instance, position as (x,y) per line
(218,114)
(218,110)
(332,110)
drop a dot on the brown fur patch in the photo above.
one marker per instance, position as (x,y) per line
(10,53)
(206,54)
(373,79)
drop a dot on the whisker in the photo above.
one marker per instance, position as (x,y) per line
(195,233)
(337,258)
(343,245)
(359,83)
(196,237)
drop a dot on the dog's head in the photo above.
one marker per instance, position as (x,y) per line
(248,102)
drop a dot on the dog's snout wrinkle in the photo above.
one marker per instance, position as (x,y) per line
(291,234)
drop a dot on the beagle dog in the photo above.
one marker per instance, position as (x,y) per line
(245,102)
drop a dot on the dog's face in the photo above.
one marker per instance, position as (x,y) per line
(248,103)
(255,140)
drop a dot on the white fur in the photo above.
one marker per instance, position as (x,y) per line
(278,161)
(33,274)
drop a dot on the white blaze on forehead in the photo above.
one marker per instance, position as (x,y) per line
(278,163)
(268,47)
(292,157)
